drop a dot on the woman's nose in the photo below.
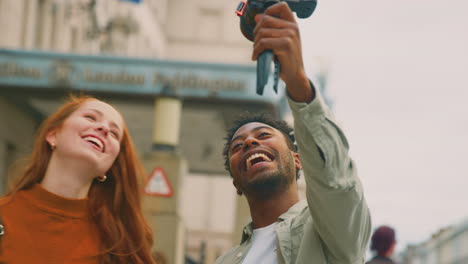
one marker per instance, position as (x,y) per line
(103,128)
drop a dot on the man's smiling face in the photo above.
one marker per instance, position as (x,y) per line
(260,160)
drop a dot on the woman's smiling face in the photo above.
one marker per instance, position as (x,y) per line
(92,132)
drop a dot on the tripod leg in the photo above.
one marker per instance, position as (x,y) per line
(263,70)
(276,75)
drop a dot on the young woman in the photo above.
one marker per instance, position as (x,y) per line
(78,199)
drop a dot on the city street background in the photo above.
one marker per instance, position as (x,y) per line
(395,73)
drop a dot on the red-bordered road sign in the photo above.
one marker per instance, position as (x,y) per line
(158,184)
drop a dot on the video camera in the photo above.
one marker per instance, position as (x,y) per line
(247,10)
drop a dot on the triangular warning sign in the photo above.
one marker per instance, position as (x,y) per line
(158,184)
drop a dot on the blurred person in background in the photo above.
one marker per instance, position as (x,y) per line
(333,225)
(383,244)
(78,198)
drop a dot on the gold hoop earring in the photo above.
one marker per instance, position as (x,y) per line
(102,178)
(53,146)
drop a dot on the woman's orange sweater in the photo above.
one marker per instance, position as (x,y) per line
(43,228)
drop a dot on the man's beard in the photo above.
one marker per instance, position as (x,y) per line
(267,186)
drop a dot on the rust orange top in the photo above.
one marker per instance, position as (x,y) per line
(44,228)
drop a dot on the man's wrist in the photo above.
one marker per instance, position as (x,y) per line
(301,89)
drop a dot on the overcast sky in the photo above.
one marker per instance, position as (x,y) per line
(398,75)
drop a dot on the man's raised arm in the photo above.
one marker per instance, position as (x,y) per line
(334,192)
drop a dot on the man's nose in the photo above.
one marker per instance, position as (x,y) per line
(250,142)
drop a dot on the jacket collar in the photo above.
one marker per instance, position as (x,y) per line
(292,211)
(384,259)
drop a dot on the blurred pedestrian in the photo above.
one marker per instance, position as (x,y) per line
(78,199)
(383,244)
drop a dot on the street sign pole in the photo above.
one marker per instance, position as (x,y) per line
(166,168)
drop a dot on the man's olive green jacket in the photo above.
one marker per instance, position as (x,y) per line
(333,225)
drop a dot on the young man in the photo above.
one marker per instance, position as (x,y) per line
(333,225)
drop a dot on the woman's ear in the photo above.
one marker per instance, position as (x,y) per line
(51,138)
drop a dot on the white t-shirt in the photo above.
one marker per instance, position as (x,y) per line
(263,249)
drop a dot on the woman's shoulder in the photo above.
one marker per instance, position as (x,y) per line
(6,200)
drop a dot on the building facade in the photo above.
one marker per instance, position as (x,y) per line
(447,246)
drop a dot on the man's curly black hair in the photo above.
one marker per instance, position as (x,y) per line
(264,118)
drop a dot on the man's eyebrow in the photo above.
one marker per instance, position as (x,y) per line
(112,123)
(253,130)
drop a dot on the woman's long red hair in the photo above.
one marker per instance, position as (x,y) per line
(114,205)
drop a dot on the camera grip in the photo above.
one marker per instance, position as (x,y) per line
(263,69)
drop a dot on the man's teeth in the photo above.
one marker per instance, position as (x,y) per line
(254,156)
(96,141)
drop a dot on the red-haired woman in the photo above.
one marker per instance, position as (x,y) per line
(78,199)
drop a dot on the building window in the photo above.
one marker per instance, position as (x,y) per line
(74,37)
(210,25)
(53,28)
(26,22)
(39,23)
